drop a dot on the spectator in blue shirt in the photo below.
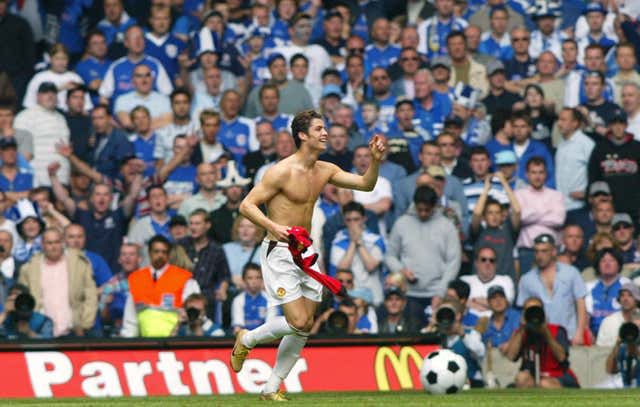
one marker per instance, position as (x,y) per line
(504,319)
(497,42)
(75,238)
(162,44)
(116,21)
(143,139)
(19,320)
(179,175)
(381,53)
(526,148)
(93,67)
(237,133)
(460,290)
(250,308)
(14,181)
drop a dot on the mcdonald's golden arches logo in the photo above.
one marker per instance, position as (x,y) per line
(399,364)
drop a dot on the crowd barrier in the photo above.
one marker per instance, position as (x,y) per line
(200,366)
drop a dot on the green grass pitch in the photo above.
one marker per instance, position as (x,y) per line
(475,398)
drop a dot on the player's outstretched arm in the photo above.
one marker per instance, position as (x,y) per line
(367,181)
(261,193)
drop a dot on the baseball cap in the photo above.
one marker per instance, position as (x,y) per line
(495,290)
(495,67)
(331,89)
(618,116)
(47,87)
(363,293)
(632,289)
(505,157)
(394,291)
(444,62)
(8,142)
(621,218)
(595,7)
(178,220)
(544,238)
(599,187)
(436,171)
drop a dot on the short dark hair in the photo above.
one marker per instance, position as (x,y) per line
(479,150)
(461,288)
(457,33)
(200,211)
(425,195)
(76,88)
(266,87)
(159,239)
(103,107)
(536,160)
(180,91)
(353,207)
(354,56)
(575,114)
(301,123)
(491,201)
(250,266)
(155,186)
(296,57)
(498,120)
(521,115)
(595,46)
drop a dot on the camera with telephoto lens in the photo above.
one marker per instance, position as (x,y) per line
(445,317)
(629,333)
(24,306)
(193,314)
(534,317)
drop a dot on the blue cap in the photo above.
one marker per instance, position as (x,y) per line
(363,293)
(595,7)
(505,157)
(331,89)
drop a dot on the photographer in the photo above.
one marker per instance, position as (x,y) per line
(624,357)
(197,323)
(629,299)
(19,320)
(544,349)
(466,342)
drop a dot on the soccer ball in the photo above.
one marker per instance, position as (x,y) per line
(443,372)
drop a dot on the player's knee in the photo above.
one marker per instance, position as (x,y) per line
(301,323)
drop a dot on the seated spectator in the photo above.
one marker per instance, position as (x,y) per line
(113,293)
(15,181)
(30,227)
(585,217)
(178,227)
(526,148)
(20,320)
(565,305)
(396,320)
(244,248)
(504,319)
(208,196)
(250,308)
(63,286)
(266,152)
(197,323)
(484,278)
(156,294)
(600,241)
(367,319)
(490,229)
(629,299)
(462,340)
(338,153)
(459,290)
(359,250)
(601,300)
(75,238)
(623,232)
(336,322)
(547,341)
(572,248)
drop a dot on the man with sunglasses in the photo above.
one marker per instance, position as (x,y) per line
(521,65)
(623,232)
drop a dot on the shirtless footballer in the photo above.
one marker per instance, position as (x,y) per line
(290,190)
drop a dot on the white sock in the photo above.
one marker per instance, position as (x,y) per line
(288,354)
(271,330)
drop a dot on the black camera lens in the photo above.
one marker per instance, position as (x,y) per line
(629,332)
(534,315)
(193,314)
(24,306)
(445,317)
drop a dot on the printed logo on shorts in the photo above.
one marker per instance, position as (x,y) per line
(281,292)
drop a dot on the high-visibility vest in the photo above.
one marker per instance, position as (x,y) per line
(157,301)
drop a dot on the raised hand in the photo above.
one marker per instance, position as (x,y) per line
(53,168)
(377,145)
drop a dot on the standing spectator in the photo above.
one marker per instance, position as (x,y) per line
(521,66)
(143,138)
(237,133)
(269,101)
(623,232)
(59,75)
(113,293)
(48,127)
(433,32)
(381,53)
(62,285)
(178,175)
(79,123)
(332,41)
(631,105)
(380,83)
(338,152)
(626,61)
(244,247)
(24,138)
(573,247)
(156,223)
(222,218)
(380,199)
(560,288)
(208,196)
(209,98)
(117,80)
(156,293)
(575,92)
(181,124)
(14,181)
(143,94)
(595,14)
(504,319)
(30,227)
(162,44)
(75,238)
(396,320)
(424,246)
(572,159)
(481,180)
(596,108)
(464,68)
(18,56)
(209,149)
(116,21)
(250,308)
(542,211)
(359,250)
(266,152)
(526,148)
(496,42)
(482,19)
(94,65)
(601,300)
(629,299)
(210,267)
(498,98)
(616,160)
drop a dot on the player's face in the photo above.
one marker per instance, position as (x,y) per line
(318,136)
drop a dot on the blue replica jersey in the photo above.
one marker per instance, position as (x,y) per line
(101,270)
(118,79)
(144,150)
(603,303)
(279,123)
(380,57)
(22,182)
(116,33)
(260,71)
(182,181)
(166,50)
(70,28)
(91,69)
(254,310)
(500,50)
(280,30)
(238,136)
(473,367)
(415,138)
(433,35)
(607,93)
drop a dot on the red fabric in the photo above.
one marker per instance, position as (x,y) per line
(299,241)
(549,365)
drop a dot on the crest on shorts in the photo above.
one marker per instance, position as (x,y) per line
(281,292)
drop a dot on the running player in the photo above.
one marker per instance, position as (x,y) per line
(290,190)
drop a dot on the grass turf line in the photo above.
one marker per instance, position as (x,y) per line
(474,398)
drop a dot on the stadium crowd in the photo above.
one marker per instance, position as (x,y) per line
(131,130)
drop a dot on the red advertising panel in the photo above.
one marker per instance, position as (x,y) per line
(205,371)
